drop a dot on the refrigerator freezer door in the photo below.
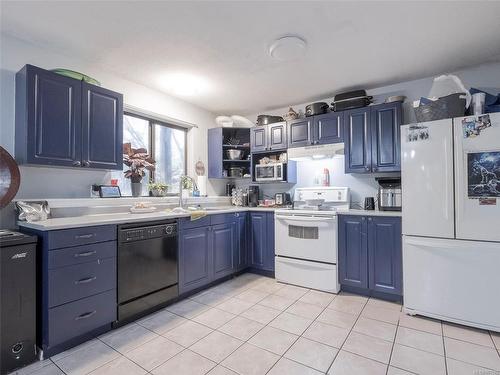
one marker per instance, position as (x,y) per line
(427,179)
(452,280)
(477,162)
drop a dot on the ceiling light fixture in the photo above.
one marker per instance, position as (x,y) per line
(288,48)
(185,84)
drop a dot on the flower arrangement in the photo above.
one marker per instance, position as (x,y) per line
(158,189)
(138,161)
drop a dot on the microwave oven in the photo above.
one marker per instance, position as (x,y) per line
(269,172)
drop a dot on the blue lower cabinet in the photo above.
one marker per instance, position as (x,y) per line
(77,277)
(385,255)
(223,246)
(195,258)
(241,251)
(352,251)
(370,254)
(262,240)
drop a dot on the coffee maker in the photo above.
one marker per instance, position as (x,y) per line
(253,195)
(389,194)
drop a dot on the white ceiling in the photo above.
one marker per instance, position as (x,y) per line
(350,44)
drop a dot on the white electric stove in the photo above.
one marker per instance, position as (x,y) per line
(306,238)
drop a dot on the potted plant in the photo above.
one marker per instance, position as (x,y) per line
(158,189)
(138,161)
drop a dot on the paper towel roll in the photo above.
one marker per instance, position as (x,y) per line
(202,185)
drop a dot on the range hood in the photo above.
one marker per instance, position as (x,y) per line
(315,152)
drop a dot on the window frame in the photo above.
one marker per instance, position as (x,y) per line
(151,138)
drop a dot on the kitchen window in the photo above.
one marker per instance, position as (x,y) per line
(165,142)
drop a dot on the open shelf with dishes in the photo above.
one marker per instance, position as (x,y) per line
(229,153)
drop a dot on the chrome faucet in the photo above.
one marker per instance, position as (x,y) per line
(182,179)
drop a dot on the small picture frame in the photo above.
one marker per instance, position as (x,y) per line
(109,191)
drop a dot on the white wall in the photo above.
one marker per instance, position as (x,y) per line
(40,182)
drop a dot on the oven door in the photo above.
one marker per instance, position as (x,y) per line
(306,237)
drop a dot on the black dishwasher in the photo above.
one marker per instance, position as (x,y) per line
(147,267)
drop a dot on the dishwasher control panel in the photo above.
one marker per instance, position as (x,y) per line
(147,232)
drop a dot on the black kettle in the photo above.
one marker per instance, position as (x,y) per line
(369,203)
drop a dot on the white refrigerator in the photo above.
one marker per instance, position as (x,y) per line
(450,174)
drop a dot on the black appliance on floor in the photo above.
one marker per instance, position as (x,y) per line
(147,268)
(18,300)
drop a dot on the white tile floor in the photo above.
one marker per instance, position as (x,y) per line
(252,325)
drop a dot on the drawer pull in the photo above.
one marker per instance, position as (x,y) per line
(85,254)
(79,236)
(86,280)
(86,315)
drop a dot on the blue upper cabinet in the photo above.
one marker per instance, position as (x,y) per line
(385,255)
(386,144)
(61,121)
(258,138)
(102,124)
(372,139)
(328,128)
(270,137)
(300,132)
(48,118)
(357,140)
(277,136)
(352,251)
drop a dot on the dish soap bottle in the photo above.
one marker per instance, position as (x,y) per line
(325,181)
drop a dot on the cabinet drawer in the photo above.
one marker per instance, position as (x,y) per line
(225,218)
(82,280)
(80,317)
(81,254)
(187,223)
(81,236)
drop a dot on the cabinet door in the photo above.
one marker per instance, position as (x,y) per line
(328,128)
(269,263)
(357,141)
(195,258)
(102,127)
(215,153)
(258,138)
(300,132)
(352,251)
(385,254)
(223,248)
(386,144)
(241,256)
(277,136)
(53,110)
(258,239)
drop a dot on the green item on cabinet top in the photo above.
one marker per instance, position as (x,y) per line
(76,75)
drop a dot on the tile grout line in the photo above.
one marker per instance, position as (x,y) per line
(350,331)
(392,347)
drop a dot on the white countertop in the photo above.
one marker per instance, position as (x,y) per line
(123,217)
(354,211)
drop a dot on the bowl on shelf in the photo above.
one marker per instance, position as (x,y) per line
(233,154)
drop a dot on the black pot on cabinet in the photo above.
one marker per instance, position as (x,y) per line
(314,109)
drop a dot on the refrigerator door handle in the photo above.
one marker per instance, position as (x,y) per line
(449,186)
(430,244)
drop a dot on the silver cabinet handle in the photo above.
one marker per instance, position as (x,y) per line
(86,163)
(79,236)
(85,254)
(86,280)
(77,163)
(86,315)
